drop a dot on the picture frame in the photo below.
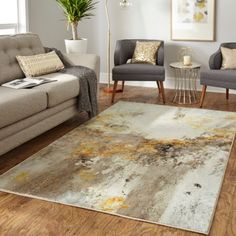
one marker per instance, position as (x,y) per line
(193,20)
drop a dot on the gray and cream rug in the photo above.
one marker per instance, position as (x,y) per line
(158,164)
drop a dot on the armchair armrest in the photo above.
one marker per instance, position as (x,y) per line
(91,61)
(215,60)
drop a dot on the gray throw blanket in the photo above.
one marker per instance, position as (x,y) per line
(87,99)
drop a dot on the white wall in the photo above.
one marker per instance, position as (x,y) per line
(145,19)
(47,20)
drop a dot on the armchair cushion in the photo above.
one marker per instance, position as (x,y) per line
(219,78)
(138,72)
(215,61)
(229,58)
(146,52)
(125,50)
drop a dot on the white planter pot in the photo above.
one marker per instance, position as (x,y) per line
(76,46)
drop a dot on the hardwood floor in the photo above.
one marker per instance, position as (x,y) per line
(26,216)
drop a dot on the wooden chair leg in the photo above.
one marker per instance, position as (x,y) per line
(204,88)
(123,86)
(162,91)
(158,85)
(114,91)
(227,94)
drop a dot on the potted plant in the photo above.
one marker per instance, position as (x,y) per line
(75,11)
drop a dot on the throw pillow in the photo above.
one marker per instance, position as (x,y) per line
(40,64)
(229,58)
(146,52)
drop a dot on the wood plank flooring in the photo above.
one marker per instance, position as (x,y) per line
(26,216)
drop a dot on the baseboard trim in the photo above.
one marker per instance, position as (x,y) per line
(169,84)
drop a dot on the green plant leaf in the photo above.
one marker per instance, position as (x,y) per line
(77,10)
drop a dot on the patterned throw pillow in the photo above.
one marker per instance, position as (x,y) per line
(229,58)
(40,64)
(146,52)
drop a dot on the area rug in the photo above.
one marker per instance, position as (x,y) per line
(153,163)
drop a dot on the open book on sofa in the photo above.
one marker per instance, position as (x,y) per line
(27,83)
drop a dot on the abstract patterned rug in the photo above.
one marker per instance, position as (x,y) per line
(158,164)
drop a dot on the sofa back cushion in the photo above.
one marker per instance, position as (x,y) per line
(12,46)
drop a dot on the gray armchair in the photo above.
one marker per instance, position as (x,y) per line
(215,76)
(137,72)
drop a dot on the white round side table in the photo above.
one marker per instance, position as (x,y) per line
(185,82)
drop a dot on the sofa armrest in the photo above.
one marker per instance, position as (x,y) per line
(91,61)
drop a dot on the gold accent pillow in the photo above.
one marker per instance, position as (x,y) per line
(146,52)
(40,64)
(229,58)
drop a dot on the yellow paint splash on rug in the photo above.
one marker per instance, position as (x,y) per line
(87,175)
(230,117)
(114,203)
(21,177)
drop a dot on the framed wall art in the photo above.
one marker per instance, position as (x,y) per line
(193,20)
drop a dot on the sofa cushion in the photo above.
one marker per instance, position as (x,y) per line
(18,104)
(10,47)
(65,88)
(35,119)
(219,78)
(138,72)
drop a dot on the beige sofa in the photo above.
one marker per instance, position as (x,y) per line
(26,113)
